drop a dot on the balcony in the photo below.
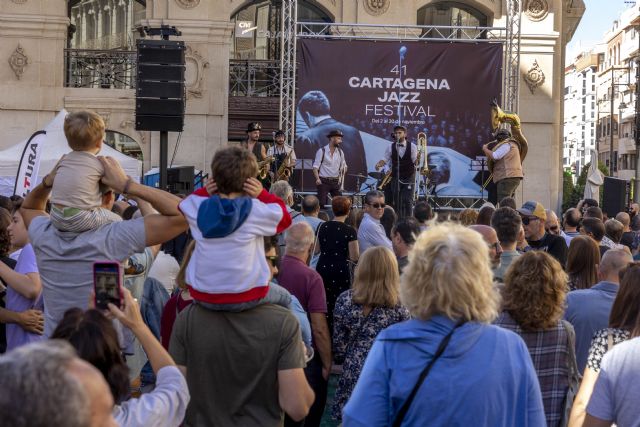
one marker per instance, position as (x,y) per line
(100,69)
(254,78)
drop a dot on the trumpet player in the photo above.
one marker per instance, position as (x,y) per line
(402,156)
(281,153)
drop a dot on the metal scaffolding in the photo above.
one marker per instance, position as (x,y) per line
(288,68)
(510,96)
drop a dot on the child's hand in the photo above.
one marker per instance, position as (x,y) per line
(211,186)
(252,187)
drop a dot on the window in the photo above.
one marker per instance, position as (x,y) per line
(454,14)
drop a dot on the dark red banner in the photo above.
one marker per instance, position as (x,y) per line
(364,88)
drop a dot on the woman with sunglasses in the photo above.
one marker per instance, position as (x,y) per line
(337,244)
(624,324)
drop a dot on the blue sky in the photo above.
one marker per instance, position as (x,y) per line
(597,19)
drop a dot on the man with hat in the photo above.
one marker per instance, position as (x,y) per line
(533,219)
(403,171)
(281,153)
(252,143)
(330,167)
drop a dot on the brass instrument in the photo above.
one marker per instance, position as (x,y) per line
(422,148)
(284,171)
(386,179)
(263,167)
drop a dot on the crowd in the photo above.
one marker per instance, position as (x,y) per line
(237,308)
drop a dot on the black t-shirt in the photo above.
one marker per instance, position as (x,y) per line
(554,245)
(627,239)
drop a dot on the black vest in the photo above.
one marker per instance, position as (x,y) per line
(407,167)
(257,150)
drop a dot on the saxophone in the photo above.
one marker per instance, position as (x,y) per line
(284,171)
(385,180)
(263,167)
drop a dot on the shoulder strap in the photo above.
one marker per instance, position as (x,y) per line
(609,340)
(574,372)
(321,160)
(407,404)
(315,241)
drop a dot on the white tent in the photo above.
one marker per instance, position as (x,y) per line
(53,148)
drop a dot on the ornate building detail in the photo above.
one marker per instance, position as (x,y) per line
(536,10)
(18,61)
(535,77)
(195,85)
(188,4)
(19,1)
(131,123)
(375,7)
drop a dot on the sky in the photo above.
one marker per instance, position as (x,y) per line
(597,19)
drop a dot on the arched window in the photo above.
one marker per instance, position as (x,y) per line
(123,143)
(256,32)
(452,14)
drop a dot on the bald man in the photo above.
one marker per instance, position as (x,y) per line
(552,225)
(628,236)
(491,238)
(588,309)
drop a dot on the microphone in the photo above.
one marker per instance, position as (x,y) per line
(403,52)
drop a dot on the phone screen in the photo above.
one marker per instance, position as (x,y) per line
(106,284)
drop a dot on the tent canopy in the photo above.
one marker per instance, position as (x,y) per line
(53,148)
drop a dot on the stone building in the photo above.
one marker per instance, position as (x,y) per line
(231,79)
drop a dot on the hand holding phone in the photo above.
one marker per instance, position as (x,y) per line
(107,284)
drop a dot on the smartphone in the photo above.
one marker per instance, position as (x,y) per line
(107,283)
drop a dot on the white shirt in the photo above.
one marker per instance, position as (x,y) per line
(332,164)
(371,233)
(402,147)
(501,151)
(275,149)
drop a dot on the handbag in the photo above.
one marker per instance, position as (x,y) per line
(574,374)
(441,348)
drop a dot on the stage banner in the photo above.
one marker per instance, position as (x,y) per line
(27,176)
(364,88)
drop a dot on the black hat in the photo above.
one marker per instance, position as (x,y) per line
(335,132)
(253,126)
(402,128)
(502,134)
(278,133)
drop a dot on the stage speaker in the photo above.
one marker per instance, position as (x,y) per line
(614,197)
(160,90)
(180,179)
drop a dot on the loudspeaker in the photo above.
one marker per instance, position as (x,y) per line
(614,197)
(180,179)
(160,91)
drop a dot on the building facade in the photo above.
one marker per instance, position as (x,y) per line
(56,53)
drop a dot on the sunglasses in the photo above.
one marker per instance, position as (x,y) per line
(554,228)
(377,205)
(527,219)
(273,260)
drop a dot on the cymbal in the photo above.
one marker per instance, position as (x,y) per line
(355,175)
(376,175)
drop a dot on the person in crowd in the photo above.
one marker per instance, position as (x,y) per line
(552,225)
(388,220)
(371,232)
(582,263)
(593,212)
(76,196)
(23,286)
(570,224)
(588,310)
(231,225)
(403,236)
(283,190)
(66,264)
(614,397)
(95,339)
(372,305)
(533,220)
(594,228)
(491,239)
(310,208)
(7,316)
(468,217)
(45,384)
(623,321)
(306,285)
(485,213)
(507,224)
(337,246)
(534,292)
(422,212)
(585,204)
(613,230)
(628,236)
(509,202)
(448,289)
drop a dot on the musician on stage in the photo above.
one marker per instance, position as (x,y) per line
(284,158)
(252,143)
(506,154)
(403,172)
(329,168)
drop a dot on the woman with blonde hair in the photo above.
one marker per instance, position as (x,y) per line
(582,262)
(534,293)
(448,365)
(468,217)
(361,313)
